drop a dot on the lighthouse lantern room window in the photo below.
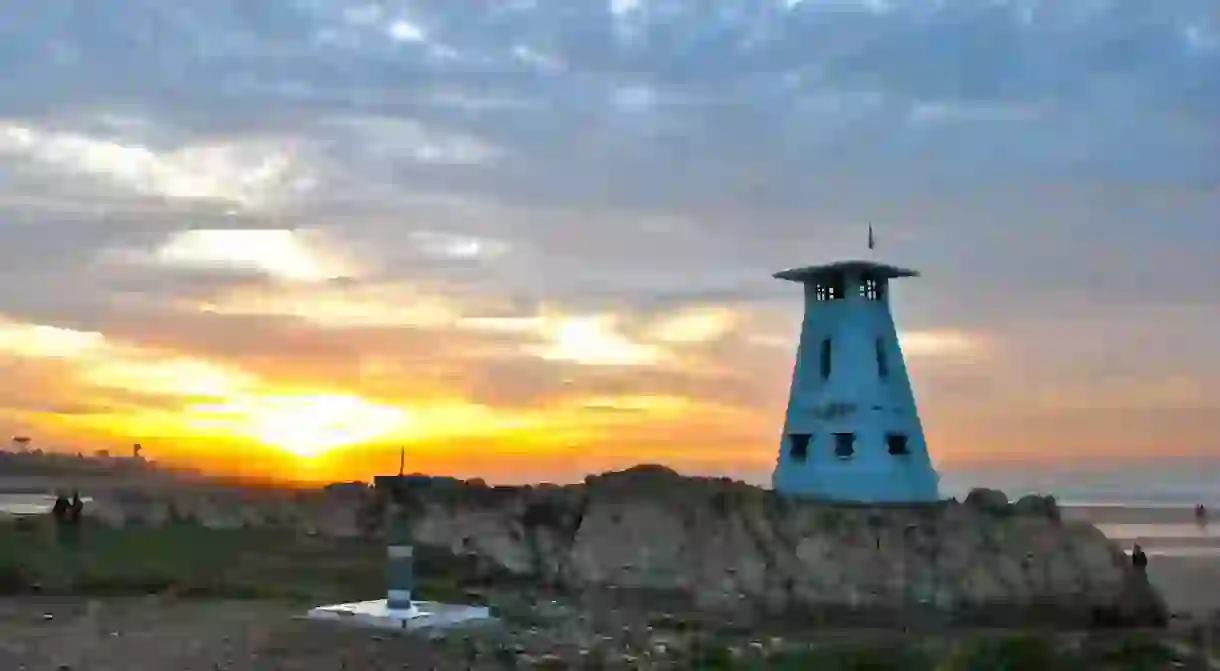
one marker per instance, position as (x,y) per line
(829,288)
(871,289)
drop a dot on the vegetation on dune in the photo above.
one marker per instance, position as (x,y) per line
(187,559)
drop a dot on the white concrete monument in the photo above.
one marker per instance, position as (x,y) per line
(399,610)
(852,432)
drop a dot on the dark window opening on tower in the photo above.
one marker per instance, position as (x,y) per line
(897,444)
(836,286)
(798,446)
(829,288)
(871,289)
(826,359)
(845,445)
(883,366)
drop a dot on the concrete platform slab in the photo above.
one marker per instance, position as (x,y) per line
(421,615)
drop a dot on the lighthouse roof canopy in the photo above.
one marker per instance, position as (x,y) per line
(858,268)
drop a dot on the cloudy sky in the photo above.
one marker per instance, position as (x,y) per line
(533,238)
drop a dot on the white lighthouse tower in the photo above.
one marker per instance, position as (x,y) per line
(852,432)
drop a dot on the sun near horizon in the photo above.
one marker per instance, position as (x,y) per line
(701,391)
(529,244)
(237,420)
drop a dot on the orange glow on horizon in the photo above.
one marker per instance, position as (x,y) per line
(507,399)
(305,426)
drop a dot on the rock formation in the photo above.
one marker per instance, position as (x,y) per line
(728,545)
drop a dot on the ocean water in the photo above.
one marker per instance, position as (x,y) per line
(1149,504)
(29,504)
(1141,485)
(1166,539)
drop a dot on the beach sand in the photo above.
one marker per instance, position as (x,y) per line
(1183,556)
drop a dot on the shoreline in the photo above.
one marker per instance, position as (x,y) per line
(1184,556)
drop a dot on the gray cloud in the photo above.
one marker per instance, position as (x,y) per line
(1035,159)
(741,116)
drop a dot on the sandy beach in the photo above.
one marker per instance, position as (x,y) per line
(1183,556)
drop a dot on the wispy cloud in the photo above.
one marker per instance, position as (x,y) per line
(547,227)
(282,254)
(246,172)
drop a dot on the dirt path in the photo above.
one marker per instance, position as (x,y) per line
(150,635)
(164,634)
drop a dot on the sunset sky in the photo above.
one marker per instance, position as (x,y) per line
(530,239)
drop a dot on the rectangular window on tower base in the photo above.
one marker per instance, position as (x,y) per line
(798,446)
(845,445)
(897,444)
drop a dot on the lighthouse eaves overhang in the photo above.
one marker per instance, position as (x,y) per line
(858,268)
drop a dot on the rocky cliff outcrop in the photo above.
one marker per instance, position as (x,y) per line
(727,545)
(730,545)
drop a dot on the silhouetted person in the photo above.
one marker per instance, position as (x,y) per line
(1138,559)
(78,507)
(61,509)
(1201,515)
